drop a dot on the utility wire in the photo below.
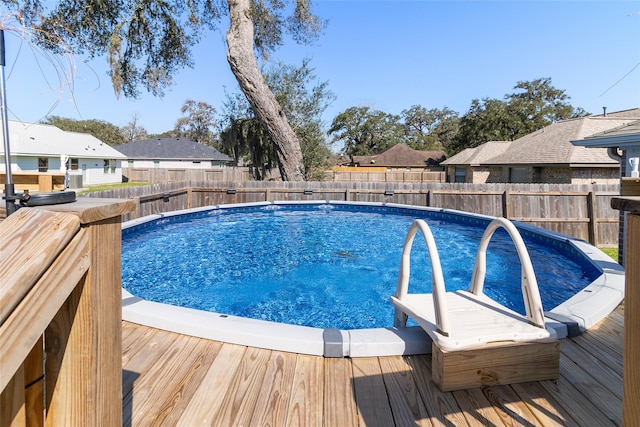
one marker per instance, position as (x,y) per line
(621,79)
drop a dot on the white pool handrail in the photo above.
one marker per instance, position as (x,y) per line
(437,278)
(441,316)
(529,284)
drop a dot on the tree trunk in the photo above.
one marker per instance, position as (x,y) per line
(244,66)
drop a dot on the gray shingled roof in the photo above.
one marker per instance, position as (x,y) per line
(170,149)
(478,155)
(401,155)
(552,145)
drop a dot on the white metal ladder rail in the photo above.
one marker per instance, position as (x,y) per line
(529,284)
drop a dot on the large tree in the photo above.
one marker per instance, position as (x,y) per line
(429,129)
(197,122)
(147,42)
(532,106)
(363,131)
(303,100)
(133,130)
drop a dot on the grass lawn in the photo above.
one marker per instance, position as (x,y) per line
(105,187)
(612,252)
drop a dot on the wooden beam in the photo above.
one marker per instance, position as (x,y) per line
(631,365)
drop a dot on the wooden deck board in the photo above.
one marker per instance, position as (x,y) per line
(306,404)
(170,379)
(442,407)
(406,405)
(339,397)
(273,401)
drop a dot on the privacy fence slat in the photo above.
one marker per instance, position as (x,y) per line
(582,211)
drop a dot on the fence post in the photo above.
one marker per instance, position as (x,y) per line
(506,199)
(593,219)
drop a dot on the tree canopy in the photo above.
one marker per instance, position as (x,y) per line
(303,99)
(429,129)
(104,131)
(364,131)
(133,131)
(534,105)
(147,42)
(198,122)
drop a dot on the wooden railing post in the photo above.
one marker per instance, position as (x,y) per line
(84,341)
(631,349)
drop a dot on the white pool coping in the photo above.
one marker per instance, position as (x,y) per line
(575,315)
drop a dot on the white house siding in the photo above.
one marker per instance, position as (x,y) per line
(92,171)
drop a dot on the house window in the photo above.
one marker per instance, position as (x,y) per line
(156,163)
(43,164)
(112,165)
(105,163)
(461,175)
(517,175)
(131,164)
(74,164)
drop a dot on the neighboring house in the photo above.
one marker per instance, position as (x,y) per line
(401,157)
(45,149)
(544,156)
(172,153)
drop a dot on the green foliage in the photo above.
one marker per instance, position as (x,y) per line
(104,131)
(147,42)
(534,105)
(429,129)
(198,123)
(133,131)
(303,100)
(363,131)
(248,137)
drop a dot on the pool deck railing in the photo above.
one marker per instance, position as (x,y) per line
(61,314)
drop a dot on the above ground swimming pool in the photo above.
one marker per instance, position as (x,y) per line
(322,266)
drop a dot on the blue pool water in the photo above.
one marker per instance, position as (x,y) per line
(327,266)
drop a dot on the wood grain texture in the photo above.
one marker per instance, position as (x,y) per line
(495,364)
(93,210)
(87,329)
(339,397)
(12,401)
(371,395)
(273,400)
(406,404)
(254,387)
(442,407)
(243,392)
(36,238)
(208,398)
(305,405)
(17,335)
(632,324)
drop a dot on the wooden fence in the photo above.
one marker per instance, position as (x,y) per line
(235,174)
(581,211)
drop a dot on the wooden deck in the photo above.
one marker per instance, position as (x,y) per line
(171,379)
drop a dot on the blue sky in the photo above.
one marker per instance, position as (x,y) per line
(388,55)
